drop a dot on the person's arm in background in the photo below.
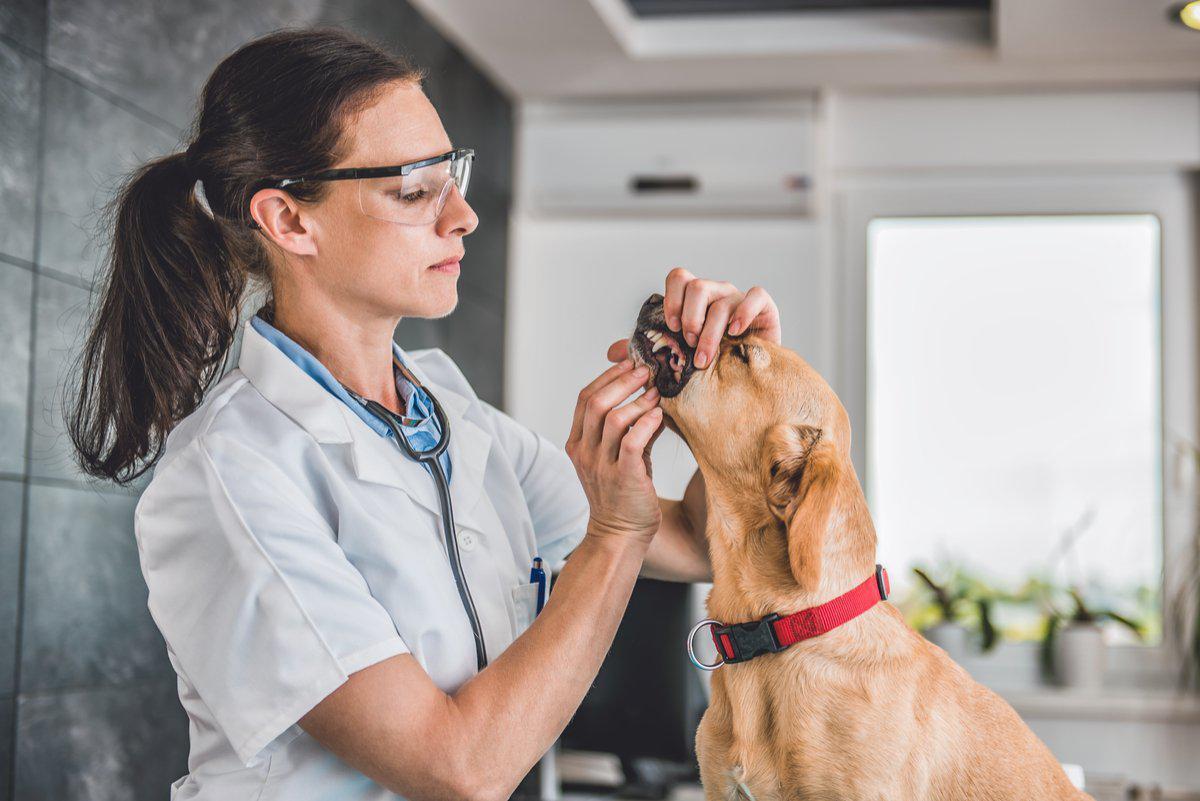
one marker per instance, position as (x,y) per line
(679,551)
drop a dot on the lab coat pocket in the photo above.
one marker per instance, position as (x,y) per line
(524,603)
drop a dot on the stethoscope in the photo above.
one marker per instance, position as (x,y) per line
(429,458)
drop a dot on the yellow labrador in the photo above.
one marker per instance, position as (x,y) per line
(859,706)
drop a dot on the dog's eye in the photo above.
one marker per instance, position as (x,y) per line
(742,351)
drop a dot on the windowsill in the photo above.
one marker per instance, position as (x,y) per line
(1144,706)
(1139,686)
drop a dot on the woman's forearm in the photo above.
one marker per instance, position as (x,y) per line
(695,505)
(513,711)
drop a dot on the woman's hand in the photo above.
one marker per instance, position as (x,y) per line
(704,310)
(610,448)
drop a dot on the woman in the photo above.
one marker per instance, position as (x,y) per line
(331,640)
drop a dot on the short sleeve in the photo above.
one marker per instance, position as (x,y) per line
(264,613)
(557,503)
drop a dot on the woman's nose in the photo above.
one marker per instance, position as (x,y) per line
(457,215)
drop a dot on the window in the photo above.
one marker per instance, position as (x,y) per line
(1014,403)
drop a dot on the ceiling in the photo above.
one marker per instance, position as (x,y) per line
(577,49)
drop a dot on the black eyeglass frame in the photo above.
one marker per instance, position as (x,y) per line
(345,173)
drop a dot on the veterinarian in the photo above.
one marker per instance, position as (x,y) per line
(333,637)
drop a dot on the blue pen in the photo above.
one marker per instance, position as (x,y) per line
(538,575)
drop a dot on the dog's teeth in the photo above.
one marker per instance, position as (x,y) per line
(659,346)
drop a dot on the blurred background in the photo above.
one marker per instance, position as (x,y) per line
(977,218)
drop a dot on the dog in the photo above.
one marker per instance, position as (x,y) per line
(868,709)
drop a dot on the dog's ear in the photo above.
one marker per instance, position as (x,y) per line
(802,472)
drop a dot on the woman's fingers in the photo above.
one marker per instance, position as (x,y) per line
(715,321)
(602,401)
(757,310)
(677,281)
(618,350)
(617,422)
(633,444)
(661,427)
(585,394)
(700,296)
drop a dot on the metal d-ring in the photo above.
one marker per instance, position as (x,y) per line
(692,653)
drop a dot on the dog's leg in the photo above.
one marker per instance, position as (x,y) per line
(712,752)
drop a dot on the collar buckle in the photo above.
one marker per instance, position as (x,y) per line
(739,642)
(881,580)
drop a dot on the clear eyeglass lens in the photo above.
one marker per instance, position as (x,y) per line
(417,198)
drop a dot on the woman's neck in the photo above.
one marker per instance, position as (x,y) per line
(355,348)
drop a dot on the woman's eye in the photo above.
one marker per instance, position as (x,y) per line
(415,196)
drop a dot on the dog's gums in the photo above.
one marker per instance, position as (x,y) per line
(664,351)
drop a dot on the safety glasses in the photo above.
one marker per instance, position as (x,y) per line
(406,194)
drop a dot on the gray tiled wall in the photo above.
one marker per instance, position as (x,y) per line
(88,90)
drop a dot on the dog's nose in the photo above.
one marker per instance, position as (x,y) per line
(651,314)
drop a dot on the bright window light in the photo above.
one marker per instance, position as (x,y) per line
(1014,423)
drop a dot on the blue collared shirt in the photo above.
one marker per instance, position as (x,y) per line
(422,436)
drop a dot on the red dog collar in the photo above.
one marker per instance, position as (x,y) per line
(739,642)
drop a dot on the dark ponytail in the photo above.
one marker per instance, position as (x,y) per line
(176,268)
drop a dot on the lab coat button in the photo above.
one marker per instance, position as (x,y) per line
(466,541)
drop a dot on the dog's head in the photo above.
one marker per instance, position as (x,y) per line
(759,421)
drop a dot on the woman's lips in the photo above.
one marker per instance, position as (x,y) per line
(449,267)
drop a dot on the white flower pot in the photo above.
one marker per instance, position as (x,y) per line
(1080,655)
(950,637)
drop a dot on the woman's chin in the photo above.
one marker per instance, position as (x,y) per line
(441,301)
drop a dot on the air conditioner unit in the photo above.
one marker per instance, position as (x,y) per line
(748,158)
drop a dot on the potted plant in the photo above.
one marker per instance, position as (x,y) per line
(956,601)
(1073,649)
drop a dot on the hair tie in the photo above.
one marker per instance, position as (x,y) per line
(197,183)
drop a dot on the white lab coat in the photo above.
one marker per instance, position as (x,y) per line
(286,545)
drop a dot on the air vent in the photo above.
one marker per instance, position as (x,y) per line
(664,183)
(682,8)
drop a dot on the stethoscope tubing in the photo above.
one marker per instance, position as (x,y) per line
(430,459)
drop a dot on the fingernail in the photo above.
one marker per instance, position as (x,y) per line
(691,338)
(652,393)
(626,364)
(673,323)
(701,359)
(641,371)
(735,327)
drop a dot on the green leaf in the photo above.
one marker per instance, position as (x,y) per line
(1047,649)
(990,635)
(1132,625)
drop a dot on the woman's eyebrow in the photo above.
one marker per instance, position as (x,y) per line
(422,158)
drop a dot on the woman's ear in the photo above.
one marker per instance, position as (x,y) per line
(801,478)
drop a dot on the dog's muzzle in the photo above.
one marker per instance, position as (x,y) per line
(664,351)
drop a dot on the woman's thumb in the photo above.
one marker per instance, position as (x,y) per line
(619,350)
